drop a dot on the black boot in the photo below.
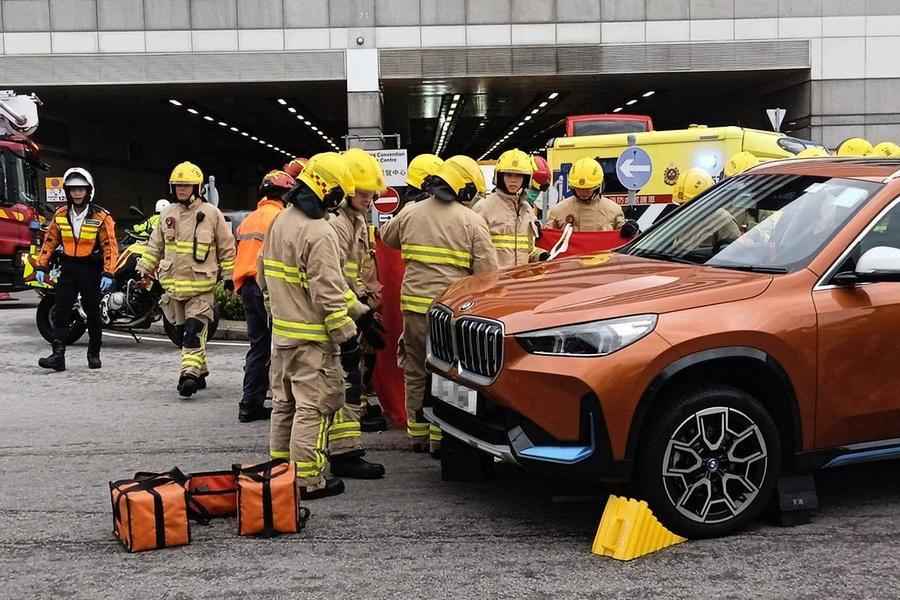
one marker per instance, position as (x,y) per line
(93,357)
(353,466)
(201,383)
(253,412)
(373,419)
(187,385)
(57,358)
(333,487)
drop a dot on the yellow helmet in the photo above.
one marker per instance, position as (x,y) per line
(458,171)
(854,147)
(422,166)
(585,174)
(326,171)
(691,184)
(739,163)
(186,173)
(366,170)
(812,152)
(514,161)
(885,149)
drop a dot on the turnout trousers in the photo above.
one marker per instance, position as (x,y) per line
(192,317)
(411,358)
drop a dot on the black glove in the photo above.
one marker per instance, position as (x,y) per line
(543,256)
(630,229)
(372,330)
(350,355)
(229,285)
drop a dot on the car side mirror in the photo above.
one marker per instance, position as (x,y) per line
(881,263)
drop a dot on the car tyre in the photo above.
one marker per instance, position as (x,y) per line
(461,462)
(710,462)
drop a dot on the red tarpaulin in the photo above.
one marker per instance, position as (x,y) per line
(582,242)
(388,377)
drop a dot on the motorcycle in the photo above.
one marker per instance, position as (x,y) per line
(130,307)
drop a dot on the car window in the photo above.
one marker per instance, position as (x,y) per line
(886,232)
(765,222)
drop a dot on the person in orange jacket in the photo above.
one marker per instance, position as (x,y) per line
(87,234)
(250,237)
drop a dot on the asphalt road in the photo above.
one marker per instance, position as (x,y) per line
(411,536)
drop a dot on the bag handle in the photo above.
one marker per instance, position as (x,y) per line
(148,480)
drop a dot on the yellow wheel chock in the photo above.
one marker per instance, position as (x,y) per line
(629,530)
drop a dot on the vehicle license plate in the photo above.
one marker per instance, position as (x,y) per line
(454,394)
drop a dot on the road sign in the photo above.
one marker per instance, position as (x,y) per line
(55,192)
(387,202)
(776,116)
(634,168)
(393,163)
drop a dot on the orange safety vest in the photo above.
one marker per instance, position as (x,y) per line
(250,237)
(97,236)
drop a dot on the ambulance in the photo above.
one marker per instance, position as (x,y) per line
(671,153)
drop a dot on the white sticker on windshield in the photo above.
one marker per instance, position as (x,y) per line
(850,197)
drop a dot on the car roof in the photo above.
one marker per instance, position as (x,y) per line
(873,169)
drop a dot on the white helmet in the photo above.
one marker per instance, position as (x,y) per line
(161,205)
(78,177)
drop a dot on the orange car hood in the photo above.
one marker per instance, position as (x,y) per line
(599,286)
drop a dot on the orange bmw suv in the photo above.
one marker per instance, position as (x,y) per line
(752,332)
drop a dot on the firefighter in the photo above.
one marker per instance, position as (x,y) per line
(250,236)
(740,162)
(441,241)
(295,167)
(854,147)
(313,314)
(349,222)
(725,229)
(510,218)
(812,152)
(87,234)
(146,227)
(587,209)
(419,170)
(190,250)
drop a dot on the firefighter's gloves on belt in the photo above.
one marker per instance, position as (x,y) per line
(630,229)
(372,329)
(229,285)
(350,355)
(106,283)
(40,276)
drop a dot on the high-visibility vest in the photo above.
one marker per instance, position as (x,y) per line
(96,238)
(250,237)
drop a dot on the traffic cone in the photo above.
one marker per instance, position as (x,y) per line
(629,530)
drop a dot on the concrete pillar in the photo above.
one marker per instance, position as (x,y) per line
(363,99)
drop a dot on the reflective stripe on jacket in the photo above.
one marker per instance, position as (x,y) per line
(441,243)
(192,246)
(97,238)
(300,268)
(511,221)
(250,236)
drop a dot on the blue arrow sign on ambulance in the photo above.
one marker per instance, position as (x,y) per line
(634,168)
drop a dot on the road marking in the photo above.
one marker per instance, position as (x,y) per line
(150,338)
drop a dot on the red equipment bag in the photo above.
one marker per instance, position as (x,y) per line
(214,491)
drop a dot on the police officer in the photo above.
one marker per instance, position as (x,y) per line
(441,242)
(349,221)
(87,234)
(510,217)
(313,314)
(587,209)
(191,249)
(419,170)
(250,237)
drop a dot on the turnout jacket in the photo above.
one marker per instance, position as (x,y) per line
(96,240)
(192,246)
(300,268)
(597,214)
(441,242)
(513,226)
(355,250)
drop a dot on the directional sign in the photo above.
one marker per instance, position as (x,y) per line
(634,168)
(387,202)
(393,163)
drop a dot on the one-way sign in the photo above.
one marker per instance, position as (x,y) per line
(634,168)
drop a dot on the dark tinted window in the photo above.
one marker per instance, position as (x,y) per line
(604,127)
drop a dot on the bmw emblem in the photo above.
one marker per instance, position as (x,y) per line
(467,305)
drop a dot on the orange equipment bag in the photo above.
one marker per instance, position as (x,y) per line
(267,499)
(215,492)
(150,513)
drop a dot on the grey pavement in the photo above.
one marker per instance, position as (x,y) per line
(411,536)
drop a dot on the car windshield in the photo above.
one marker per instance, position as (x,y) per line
(765,223)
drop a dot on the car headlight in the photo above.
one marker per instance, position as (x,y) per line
(597,338)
